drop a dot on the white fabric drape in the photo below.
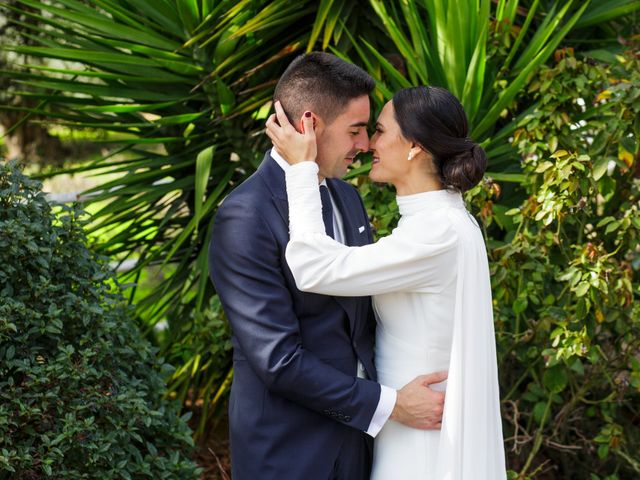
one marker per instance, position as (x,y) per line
(431,287)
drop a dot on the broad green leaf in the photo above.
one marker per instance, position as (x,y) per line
(605,10)
(555,379)
(203,168)
(225,97)
(105,25)
(321,18)
(600,167)
(520,305)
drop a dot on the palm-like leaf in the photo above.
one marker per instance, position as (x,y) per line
(180,86)
(452,44)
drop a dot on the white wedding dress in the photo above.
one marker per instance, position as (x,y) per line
(431,292)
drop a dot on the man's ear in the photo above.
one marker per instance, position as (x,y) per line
(318,123)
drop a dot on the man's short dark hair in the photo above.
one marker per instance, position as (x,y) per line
(322,83)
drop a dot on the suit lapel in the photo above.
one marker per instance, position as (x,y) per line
(354,230)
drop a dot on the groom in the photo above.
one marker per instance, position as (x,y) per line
(304,401)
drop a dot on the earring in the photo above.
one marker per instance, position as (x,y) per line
(410,157)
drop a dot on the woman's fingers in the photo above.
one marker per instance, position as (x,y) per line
(281,116)
(292,145)
(270,134)
(307,125)
(272,124)
(273,129)
(271,121)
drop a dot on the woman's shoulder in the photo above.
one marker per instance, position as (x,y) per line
(430,227)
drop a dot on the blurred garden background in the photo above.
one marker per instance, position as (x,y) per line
(139,116)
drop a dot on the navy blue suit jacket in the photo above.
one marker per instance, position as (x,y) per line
(295,394)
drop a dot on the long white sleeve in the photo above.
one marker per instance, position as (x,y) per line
(415,257)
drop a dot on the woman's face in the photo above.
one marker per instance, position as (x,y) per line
(389,149)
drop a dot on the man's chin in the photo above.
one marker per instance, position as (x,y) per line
(344,168)
(342,173)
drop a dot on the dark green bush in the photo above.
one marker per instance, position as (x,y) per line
(81,393)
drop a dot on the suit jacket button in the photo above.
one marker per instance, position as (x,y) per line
(326,412)
(347,418)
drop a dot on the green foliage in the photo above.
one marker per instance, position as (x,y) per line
(451,44)
(204,356)
(566,269)
(81,393)
(183,89)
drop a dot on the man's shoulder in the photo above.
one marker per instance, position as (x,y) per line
(245,211)
(251,193)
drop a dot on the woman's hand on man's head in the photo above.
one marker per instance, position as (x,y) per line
(295,147)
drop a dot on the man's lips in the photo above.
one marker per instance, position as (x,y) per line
(375,160)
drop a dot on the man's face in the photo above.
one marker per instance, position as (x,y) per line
(341,140)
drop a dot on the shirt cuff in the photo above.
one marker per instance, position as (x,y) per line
(383,411)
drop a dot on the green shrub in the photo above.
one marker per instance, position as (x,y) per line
(205,372)
(81,393)
(565,270)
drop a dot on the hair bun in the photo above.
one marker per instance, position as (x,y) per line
(464,170)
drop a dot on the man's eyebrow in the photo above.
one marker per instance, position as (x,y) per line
(358,124)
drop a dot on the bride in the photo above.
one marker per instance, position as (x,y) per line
(429,279)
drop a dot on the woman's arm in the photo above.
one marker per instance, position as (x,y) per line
(415,257)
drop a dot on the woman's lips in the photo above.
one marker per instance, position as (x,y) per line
(375,160)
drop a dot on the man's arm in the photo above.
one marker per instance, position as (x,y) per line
(245,268)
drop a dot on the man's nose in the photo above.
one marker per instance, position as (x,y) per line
(362,142)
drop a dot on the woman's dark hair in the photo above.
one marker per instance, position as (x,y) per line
(433,118)
(322,83)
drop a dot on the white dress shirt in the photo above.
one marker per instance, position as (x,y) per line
(388,395)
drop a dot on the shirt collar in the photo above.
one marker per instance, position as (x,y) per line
(279,160)
(284,165)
